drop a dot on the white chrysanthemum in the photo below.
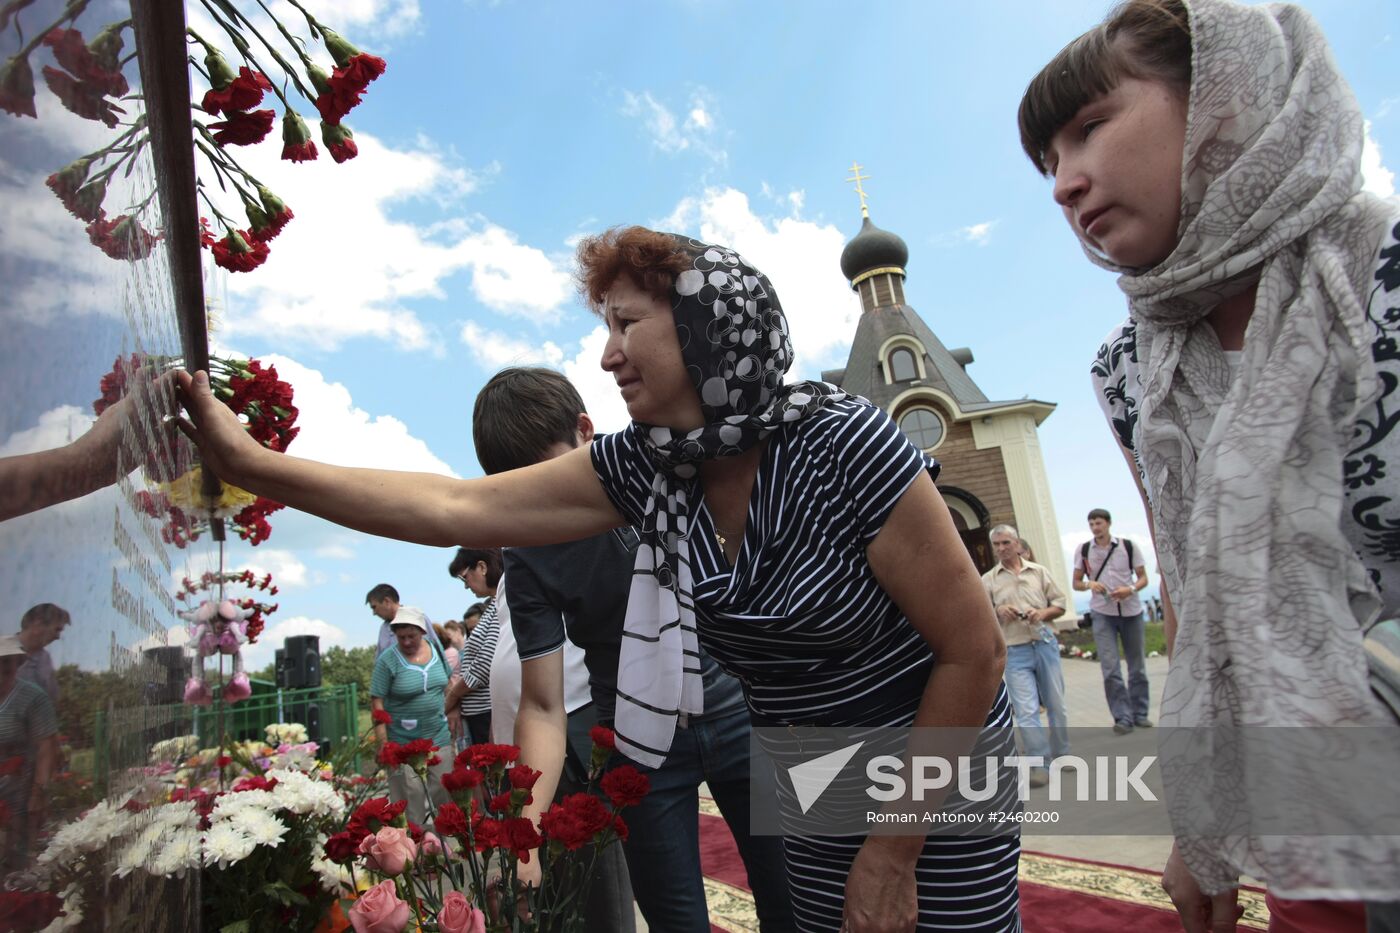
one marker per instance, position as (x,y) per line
(93,831)
(335,879)
(182,746)
(289,732)
(225,844)
(260,826)
(178,852)
(229,804)
(133,855)
(298,793)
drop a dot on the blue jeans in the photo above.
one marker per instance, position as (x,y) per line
(663,847)
(1129,704)
(1034,679)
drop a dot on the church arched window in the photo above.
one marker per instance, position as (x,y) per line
(902,365)
(923,427)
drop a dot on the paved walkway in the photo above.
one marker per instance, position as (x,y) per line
(1085,706)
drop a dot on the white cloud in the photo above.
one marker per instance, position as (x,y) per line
(374,18)
(346,268)
(800,257)
(261,654)
(596,387)
(336,552)
(495,349)
(671,135)
(980,234)
(1375,176)
(56,427)
(286,568)
(334,430)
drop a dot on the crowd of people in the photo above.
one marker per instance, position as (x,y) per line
(682,581)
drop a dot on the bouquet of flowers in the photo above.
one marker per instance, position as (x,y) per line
(451,879)
(252,817)
(254,392)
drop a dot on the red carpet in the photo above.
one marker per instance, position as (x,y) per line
(1058,895)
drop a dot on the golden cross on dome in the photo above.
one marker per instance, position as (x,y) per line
(857,177)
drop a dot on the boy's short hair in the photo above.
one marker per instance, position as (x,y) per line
(520,413)
(1100,513)
(381,592)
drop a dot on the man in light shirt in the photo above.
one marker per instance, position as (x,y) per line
(1112,570)
(1027,600)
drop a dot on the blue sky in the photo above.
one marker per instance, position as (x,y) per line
(503,131)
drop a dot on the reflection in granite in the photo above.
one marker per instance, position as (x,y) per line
(85,297)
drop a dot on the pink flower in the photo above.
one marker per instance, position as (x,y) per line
(380,910)
(238,688)
(432,845)
(459,916)
(388,851)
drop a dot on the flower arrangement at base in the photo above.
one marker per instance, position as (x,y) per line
(253,818)
(449,879)
(254,392)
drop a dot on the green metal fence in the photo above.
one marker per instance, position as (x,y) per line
(335,708)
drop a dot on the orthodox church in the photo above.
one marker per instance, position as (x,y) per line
(992,472)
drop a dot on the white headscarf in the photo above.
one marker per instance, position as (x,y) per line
(1246,478)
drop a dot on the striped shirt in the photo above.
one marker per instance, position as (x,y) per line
(800,618)
(475,664)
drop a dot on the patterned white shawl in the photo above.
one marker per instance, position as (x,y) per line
(1246,478)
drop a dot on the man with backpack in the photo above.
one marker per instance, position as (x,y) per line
(1112,570)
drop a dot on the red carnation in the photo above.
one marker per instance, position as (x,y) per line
(521,837)
(81,97)
(603,737)
(17,88)
(239,252)
(122,237)
(625,786)
(488,834)
(223,761)
(373,815)
(334,101)
(78,59)
(254,782)
(485,755)
(389,755)
(500,803)
(381,717)
(243,129)
(574,820)
(29,910)
(342,848)
(11,766)
(523,777)
(620,827)
(296,139)
(242,93)
(450,821)
(339,141)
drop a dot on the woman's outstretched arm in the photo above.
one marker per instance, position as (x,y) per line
(557,500)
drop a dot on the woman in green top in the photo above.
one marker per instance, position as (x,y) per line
(409,680)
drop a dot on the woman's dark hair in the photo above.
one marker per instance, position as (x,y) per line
(475,609)
(651,260)
(471,556)
(1143,39)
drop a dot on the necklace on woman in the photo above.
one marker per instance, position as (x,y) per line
(721,537)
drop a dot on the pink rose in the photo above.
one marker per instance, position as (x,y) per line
(431,844)
(379,910)
(459,916)
(388,850)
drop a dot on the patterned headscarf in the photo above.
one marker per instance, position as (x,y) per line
(735,346)
(1245,477)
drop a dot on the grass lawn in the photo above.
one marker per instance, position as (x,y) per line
(1153,639)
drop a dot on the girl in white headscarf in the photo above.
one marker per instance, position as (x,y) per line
(1210,154)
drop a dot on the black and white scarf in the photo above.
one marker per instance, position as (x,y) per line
(735,345)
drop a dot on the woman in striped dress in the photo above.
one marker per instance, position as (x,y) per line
(792,529)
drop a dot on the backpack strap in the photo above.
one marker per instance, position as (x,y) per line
(1084,556)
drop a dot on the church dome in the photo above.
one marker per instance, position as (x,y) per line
(873,248)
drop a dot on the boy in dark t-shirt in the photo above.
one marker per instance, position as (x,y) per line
(579,591)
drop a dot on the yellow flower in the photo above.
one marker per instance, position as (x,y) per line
(185,493)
